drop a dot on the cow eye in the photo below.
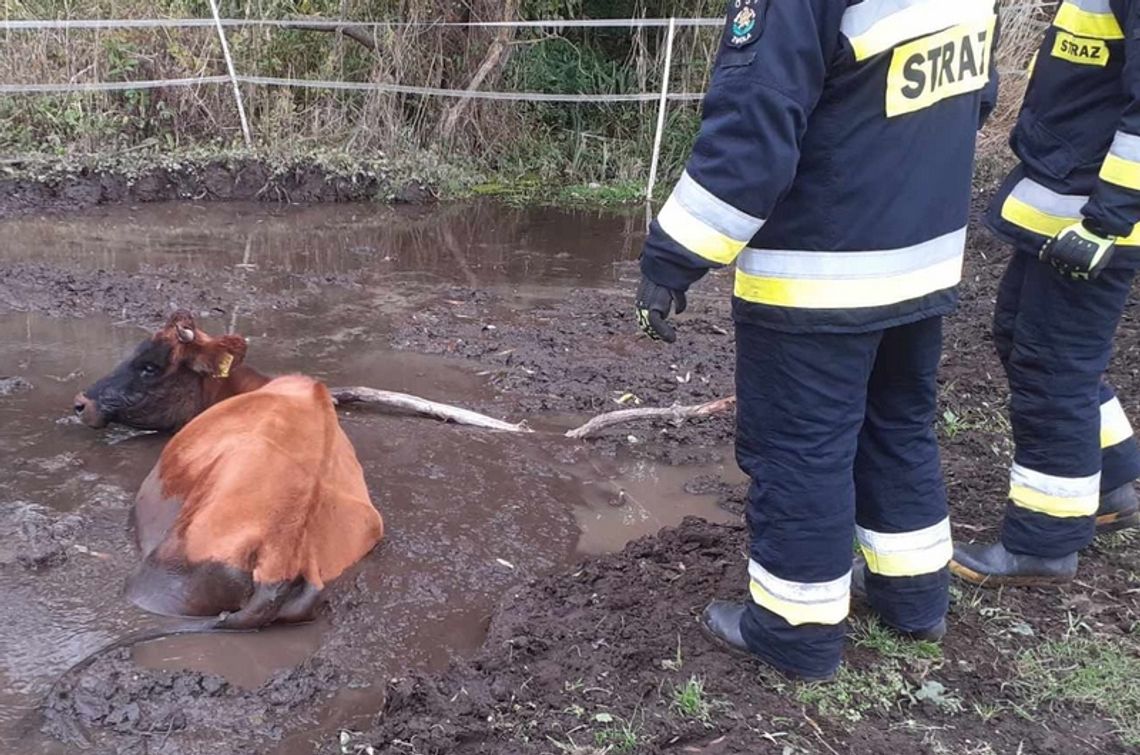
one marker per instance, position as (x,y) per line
(148,370)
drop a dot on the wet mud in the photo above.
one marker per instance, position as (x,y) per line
(504,612)
(320,291)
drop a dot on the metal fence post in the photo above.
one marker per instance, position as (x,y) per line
(233,74)
(661,105)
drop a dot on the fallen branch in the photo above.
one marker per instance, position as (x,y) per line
(417,405)
(357,34)
(674,414)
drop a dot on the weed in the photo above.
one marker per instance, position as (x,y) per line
(689,700)
(854,693)
(1080,670)
(870,633)
(988,711)
(953,424)
(617,736)
(935,693)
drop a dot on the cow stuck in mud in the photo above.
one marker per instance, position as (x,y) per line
(256,503)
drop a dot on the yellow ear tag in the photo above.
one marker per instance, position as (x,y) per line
(224,366)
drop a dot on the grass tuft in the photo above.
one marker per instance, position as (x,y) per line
(689,700)
(871,634)
(1102,673)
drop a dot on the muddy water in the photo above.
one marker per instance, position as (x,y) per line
(468,513)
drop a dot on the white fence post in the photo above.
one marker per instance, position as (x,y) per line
(661,105)
(233,74)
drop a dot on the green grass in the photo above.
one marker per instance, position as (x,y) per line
(855,693)
(617,736)
(689,700)
(871,634)
(1101,673)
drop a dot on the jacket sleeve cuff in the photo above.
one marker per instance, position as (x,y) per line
(668,272)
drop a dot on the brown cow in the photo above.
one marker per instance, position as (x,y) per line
(256,503)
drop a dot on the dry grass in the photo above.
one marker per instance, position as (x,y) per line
(1022,24)
(576,142)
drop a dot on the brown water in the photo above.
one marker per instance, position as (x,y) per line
(468,513)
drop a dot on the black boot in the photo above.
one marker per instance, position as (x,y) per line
(720,622)
(1118,510)
(993,566)
(859,589)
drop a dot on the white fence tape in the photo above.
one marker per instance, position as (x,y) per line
(315,23)
(476,94)
(108,86)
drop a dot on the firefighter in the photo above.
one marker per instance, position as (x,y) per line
(1070,210)
(833,167)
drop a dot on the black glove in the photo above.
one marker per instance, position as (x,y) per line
(653,305)
(1078,252)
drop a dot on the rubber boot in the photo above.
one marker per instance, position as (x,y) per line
(994,566)
(720,622)
(859,589)
(1118,510)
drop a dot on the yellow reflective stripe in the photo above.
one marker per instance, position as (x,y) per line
(1024,215)
(875,26)
(1114,425)
(1083,23)
(800,613)
(848,293)
(1052,505)
(697,236)
(801,602)
(1030,218)
(1053,495)
(1117,170)
(907,554)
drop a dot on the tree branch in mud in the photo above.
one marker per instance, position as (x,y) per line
(674,414)
(422,406)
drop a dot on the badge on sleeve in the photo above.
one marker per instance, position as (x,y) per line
(744,22)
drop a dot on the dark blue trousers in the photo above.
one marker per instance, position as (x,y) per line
(837,434)
(1054,337)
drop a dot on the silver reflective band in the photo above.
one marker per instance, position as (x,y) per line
(1058,487)
(1048,201)
(804,593)
(713,211)
(1091,6)
(1126,147)
(886,263)
(858,19)
(902,542)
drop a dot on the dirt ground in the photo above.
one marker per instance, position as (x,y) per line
(23,191)
(606,657)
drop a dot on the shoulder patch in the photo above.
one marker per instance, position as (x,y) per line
(745,22)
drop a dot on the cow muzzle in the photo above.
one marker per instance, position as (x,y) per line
(88,411)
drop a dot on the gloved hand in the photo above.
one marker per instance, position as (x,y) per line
(653,305)
(1078,252)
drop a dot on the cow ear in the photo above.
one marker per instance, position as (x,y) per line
(218,357)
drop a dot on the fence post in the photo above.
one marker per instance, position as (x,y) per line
(661,105)
(233,74)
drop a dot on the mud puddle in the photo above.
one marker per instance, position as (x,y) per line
(469,514)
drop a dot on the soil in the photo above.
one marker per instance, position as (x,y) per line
(230,180)
(577,658)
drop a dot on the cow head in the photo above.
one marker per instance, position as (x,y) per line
(166,381)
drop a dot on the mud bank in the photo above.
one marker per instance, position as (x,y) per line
(518,315)
(592,661)
(228,180)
